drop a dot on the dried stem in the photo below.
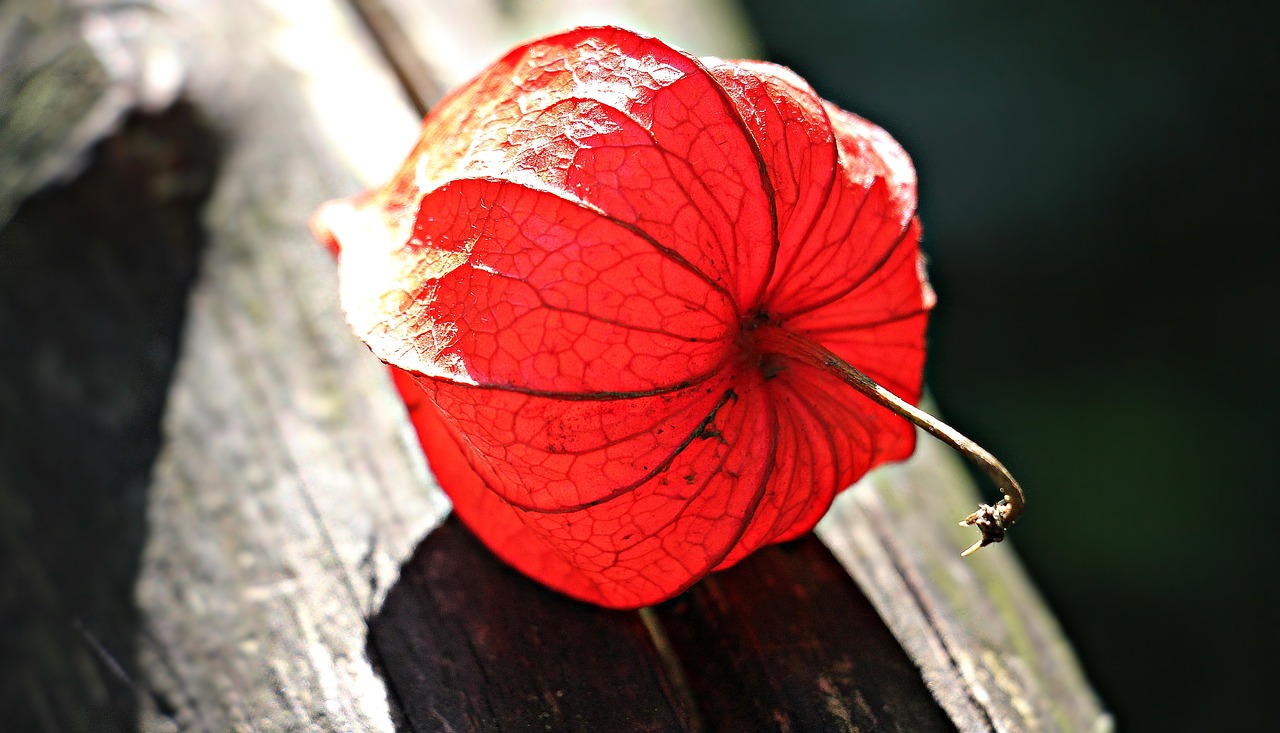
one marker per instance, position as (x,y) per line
(991,521)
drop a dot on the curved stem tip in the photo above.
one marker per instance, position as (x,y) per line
(991,521)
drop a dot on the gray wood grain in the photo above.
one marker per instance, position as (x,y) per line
(289,489)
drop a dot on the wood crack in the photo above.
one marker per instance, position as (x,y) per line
(415,77)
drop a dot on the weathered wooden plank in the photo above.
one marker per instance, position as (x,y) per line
(288,489)
(786,641)
(988,647)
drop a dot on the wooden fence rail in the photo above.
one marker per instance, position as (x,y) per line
(213,515)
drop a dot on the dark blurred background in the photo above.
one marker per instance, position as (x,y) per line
(1098,188)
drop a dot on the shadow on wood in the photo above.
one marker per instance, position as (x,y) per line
(786,641)
(783,641)
(94,278)
(466,643)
